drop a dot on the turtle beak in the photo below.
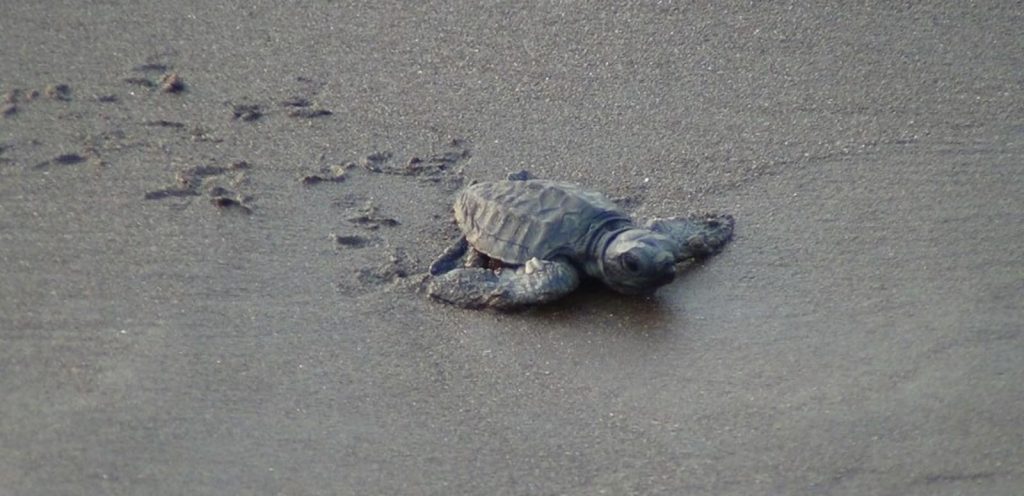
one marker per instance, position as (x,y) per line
(667,268)
(665,259)
(668,276)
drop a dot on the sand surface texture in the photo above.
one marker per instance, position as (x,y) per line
(216,219)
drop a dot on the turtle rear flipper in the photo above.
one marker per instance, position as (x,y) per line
(697,235)
(537,281)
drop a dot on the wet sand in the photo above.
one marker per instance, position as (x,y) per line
(218,289)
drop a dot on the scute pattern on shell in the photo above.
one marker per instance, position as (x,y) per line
(514,221)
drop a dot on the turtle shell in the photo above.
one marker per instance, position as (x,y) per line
(514,221)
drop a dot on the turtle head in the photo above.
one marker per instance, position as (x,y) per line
(638,261)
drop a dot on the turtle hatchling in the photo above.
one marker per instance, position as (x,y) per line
(529,241)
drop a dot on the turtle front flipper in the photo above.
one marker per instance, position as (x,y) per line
(450,258)
(697,235)
(537,281)
(522,175)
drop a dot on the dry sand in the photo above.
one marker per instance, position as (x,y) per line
(180,313)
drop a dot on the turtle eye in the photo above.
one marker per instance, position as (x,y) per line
(630,262)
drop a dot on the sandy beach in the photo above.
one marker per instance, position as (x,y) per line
(216,222)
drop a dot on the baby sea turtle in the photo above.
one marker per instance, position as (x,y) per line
(543,234)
